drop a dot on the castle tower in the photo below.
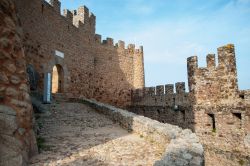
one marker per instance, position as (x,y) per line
(227,71)
(213,83)
(139,79)
(82,17)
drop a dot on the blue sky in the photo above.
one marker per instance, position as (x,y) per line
(172,30)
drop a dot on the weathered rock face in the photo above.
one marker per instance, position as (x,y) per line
(17,139)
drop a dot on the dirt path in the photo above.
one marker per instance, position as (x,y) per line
(74,134)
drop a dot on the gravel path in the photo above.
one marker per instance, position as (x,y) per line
(74,134)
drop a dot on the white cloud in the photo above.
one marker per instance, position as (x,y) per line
(139,7)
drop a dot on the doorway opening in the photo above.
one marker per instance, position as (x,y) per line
(57,79)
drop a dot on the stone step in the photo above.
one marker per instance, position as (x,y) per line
(60,97)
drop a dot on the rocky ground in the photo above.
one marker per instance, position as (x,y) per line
(74,134)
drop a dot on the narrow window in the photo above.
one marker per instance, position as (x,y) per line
(237,120)
(183,115)
(95,61)
(237,115)
(212,121)
(143,111)
(242,96)
(42,8)
(158,111)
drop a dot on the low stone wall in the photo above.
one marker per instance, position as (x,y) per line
(182,146)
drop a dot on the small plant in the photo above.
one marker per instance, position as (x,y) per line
(40,125)
(241,162)
(40,143)
(214,130)
(141,136)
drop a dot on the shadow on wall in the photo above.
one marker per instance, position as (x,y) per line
(116,71)
(162,104)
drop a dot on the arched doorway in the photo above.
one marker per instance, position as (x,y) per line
(57,79)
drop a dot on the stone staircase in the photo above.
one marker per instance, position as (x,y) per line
(75,134)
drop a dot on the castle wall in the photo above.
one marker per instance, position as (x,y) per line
(114,72)
(17,139)
(245,95)
(214,108)
(92,68)
(221,113)
(162,104)
(227,138)
(214,84)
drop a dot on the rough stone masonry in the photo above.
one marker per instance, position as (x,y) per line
(214,108)
(41,39)
(90,67)
(17,139)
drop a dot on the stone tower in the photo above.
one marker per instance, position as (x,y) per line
(139,80)
(213,83)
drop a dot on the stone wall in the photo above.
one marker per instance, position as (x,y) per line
(222,116)
(91,67)
(17,139)
(245,95)
(182,146)
(213,108)
(214,84)
(162,104)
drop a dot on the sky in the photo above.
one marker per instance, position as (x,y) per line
(170,31)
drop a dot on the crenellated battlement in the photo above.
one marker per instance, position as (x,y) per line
(210,61)
(56,5)
(80,18)
(68,14)
(226,56)
(180,87)
(213,107)
(214,83)
(130,48)
(159,90)
(108,71)
(83,16)
(162,103)
(98,38)
(83,19)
